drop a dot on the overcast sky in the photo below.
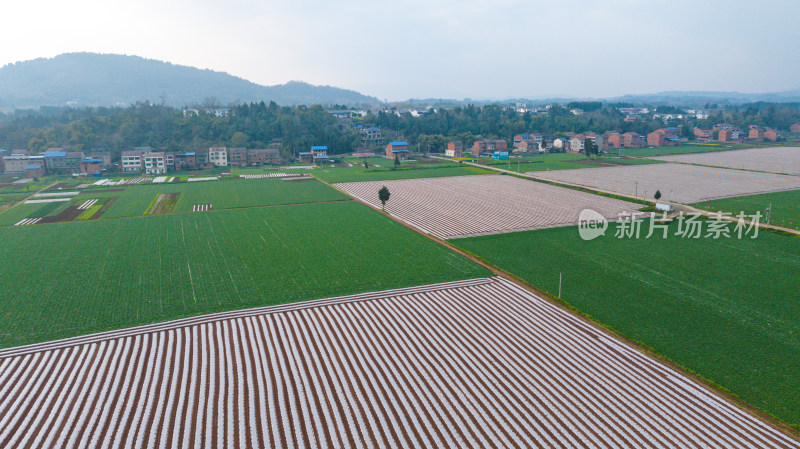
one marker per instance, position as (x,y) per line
(426,48)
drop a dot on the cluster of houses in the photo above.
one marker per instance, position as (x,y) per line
(726,132)
(571,142)
(151,162)
(54,161)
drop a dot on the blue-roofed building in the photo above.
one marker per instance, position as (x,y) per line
(34,171)
(92,165)
(397,149)
(58,161)
(319,153)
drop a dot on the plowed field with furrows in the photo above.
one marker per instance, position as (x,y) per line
(476,205)
(478,363)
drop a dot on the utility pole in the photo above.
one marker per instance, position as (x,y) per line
(637,190)
(559,284)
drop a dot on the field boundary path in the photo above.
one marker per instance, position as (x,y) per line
(467,364)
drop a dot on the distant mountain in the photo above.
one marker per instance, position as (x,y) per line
(699,98)
(91,79)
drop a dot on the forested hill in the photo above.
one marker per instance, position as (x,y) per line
(91,79)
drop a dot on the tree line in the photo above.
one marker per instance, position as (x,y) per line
(252,125)
(256,125)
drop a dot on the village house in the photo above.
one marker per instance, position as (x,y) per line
(615,140)
(397,149)
(371,136)
(57,161)
(237,157)
(519,138)
(755,133)
(16,163)
(154,163)
(657,138)
(596,138)
(577,144)
(263,156)
(34,171)
(729,135)
(488,146)
(319,153)
(662,137)
(529,146)
(702,135)
(92,166)
(455,148)
(771,134)
(794,127)
(218,156)
(562,144)
(633,140)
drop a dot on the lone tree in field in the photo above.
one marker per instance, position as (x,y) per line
(396,162)
(589,147)
(383,195)
(366,164)
(657,196)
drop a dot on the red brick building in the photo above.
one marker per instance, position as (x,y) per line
(656,138)
(398,149)
(263,156)
(615,140)
(237,157)
(702,135)
(794,127)
(771,134)
(487,145)
(755,133)
(633,140)
(455,148)
(528,146)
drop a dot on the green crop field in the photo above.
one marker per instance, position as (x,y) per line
(785,207)
(385,172)
(22,211)
(727,309)
(62,280)
(560,161)
(229,194)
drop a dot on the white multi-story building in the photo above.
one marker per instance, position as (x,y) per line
(131,161)
(218,156)
(154,163)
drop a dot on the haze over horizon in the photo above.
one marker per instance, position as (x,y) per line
(447,49)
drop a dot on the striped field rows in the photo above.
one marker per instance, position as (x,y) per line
(774,160)
(28,221)
(87,204)
(677,182)
(463,206)
(469,364)
(272,175)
